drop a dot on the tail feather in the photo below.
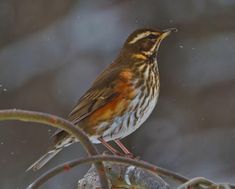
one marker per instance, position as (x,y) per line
(44,159)
(60,140)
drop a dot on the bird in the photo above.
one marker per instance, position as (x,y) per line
(120,99)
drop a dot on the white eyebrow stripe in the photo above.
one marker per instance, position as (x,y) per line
(140,36)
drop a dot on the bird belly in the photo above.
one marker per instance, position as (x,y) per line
(126,124)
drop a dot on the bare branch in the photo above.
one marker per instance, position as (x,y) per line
(123,173)
(127,161)
(55,121)
(203,183)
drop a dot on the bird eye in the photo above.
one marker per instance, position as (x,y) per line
(152,36)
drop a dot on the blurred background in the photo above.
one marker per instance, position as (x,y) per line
(51,51)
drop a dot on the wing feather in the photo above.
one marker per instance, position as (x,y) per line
(97,96)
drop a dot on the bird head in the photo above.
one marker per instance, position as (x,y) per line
(146,41)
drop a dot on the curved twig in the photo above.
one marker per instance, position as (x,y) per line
(141,164)
(196,181)
(39,117)
(201,182)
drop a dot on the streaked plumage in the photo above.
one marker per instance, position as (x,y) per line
(121,98)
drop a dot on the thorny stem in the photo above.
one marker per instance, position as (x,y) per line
(117,159)
(55,121)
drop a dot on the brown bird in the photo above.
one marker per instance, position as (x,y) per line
(121,98)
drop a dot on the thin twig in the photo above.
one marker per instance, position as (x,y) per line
(203,183)
(196,181)
(52,120)
(141,164)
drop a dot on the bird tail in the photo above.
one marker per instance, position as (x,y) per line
(44,159)
(61,139)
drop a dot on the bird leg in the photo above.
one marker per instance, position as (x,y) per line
(109,147)
(124,149)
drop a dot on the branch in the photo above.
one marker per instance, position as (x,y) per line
(130,177)
(38,117)
(154,170)
(123,177)
(126,173)
(200,182)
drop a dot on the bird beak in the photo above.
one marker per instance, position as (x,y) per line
(163,34)
(167,32)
